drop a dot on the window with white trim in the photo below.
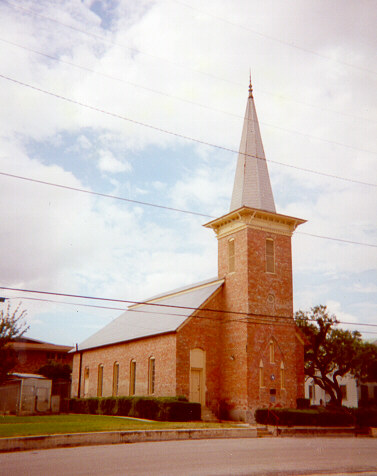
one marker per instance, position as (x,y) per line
(270,255)
(100,381)
(231,256)
(132,377)
(282,375)
(115,379)
(261,374)
(151,374)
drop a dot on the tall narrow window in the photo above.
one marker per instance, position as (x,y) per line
(282,375)
(270,256)
(261,374)
(132,377)
(343,389)
(231,256)
(115,378)
(151,374)
(86,381)
(312,392)
(100,381)
(272,352)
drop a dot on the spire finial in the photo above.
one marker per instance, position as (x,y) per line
(250,87)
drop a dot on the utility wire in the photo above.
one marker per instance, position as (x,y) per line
(136,50)
(336,239)
(90,192)
(148,204)
(195,316)
(113,43)
(272,38)
(188,101)
(159,305)
(182,136)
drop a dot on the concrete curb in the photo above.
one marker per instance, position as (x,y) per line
(116,437)
(320,431)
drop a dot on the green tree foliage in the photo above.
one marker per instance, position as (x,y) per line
(12,325)
(56,370)
(331,353)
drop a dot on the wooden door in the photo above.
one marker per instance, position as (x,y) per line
(196,385)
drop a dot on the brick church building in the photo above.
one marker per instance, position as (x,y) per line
(230,342)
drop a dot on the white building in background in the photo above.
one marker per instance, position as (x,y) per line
(353,393)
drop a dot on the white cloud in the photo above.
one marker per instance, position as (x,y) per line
(108,163)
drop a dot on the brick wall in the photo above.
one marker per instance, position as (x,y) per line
(202,331)
(162,348)
(265,300)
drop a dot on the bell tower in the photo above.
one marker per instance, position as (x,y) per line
(262,358)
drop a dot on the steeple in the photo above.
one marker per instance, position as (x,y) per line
(252,187)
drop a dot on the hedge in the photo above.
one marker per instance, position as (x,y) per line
(162,409)
(317,417)
(290,417)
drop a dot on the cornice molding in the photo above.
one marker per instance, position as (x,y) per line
(247,217)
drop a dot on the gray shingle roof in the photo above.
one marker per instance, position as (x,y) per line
(144,320)
(252,187)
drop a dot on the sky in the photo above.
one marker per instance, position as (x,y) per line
(144,100)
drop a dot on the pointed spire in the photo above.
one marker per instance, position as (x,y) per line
(252,187)
(250,88)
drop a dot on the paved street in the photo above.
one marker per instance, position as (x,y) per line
(236,457)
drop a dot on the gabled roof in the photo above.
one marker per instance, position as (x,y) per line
(29,344)
(158,315)
(252,187)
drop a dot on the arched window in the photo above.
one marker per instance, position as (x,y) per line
(132,377)
(231,256)
(115,379)
(270,256)
(151,374)
(261,374)
(272,352)
(86,381)
(282,375)
(100,381)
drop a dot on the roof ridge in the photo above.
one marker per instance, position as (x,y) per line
(177,291)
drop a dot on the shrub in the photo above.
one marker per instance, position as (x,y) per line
(290,417)
(303,403)
(144,407)
(108,406)
(162,408)
(92,404)
(366,417)
(183,411)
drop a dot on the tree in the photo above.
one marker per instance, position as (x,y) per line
(56,370)
(12,325)
(331,353)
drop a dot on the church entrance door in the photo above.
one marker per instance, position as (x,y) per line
(196,386)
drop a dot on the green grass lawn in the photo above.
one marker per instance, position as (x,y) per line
(52,424)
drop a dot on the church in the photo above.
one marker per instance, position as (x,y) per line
(229,342)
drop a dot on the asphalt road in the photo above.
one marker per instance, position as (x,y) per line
(235,457)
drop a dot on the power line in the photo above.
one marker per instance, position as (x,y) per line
(149,204)
(136,50)
(196,316)
(336,239)
(158,305)
(164,207)
(272,38)
(182,136)
(113,43)
(106,195)
(188,101)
